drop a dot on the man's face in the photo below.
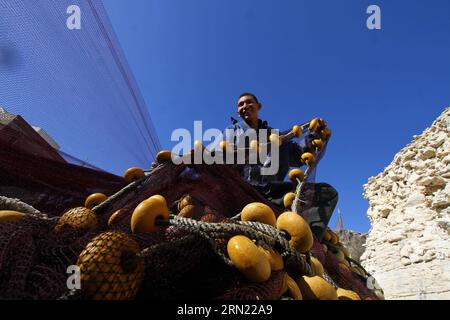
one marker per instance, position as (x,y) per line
(248,108)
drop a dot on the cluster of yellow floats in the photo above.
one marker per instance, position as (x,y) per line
(107,274)
(112,267)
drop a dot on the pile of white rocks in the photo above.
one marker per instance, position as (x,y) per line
(408,247)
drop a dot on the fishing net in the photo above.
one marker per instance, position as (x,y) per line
(74,83)
(184,259)
(51,186)
(173,263)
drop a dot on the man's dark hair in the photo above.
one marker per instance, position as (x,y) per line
(249,94)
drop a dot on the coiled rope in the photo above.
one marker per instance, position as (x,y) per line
(17,205)
(265,235)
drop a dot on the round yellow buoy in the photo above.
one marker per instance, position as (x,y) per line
(116,217)
(334,238)
(80,218)
(288,199)
(192,211)
(255,145)
(317,266)
(246,257)
(110,268)
(185,200)
(352,269)
(295,174)
(344,265)
(325,134)
(318,144)
(297,131)
(133,174)
(316,288)
(94,200)
(339,255)
(159,198)
(275,139)
(224,145)
(164,156)
(198,146)
(327,236)
(298,229)
(308,158)
(147,212)
(292,288)
(347,294)
(315,124)
(259,212)
(10,215)
(275,259)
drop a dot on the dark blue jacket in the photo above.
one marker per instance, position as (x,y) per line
(289,156)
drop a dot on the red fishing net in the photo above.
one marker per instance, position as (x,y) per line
(48,185)
(34,257)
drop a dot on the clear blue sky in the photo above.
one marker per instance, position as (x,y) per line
(302,59)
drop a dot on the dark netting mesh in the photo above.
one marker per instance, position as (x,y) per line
(50,186)
(169,264)
(340,274)
(173,263)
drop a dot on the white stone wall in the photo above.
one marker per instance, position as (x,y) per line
(408,247)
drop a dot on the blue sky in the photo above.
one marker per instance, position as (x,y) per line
(375,88)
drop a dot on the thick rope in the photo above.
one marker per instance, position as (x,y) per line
(131,187)
(236,217)
(265,235)
(278,235)
(296,204)
(295,207)
(327,277)
(17,205)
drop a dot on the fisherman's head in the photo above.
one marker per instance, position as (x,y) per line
(248,108)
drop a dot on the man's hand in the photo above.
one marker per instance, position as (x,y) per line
(154,165)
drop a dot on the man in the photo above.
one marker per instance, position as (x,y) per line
(323,197)
(272,186)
